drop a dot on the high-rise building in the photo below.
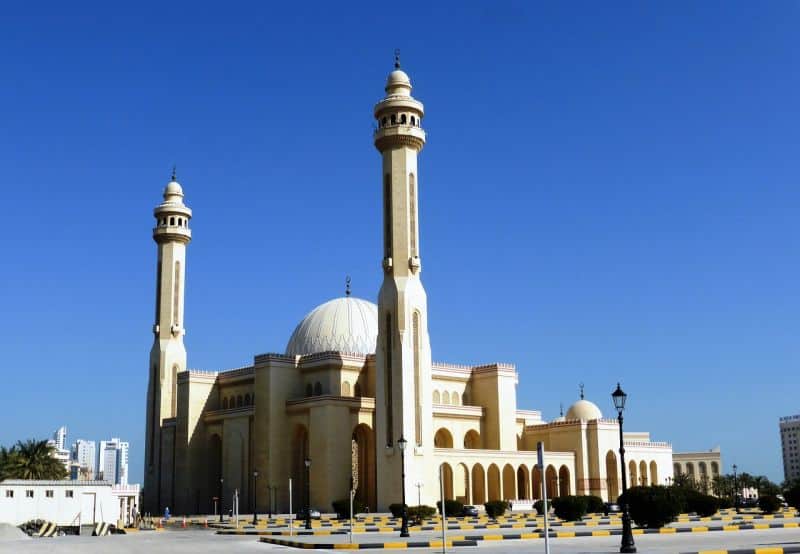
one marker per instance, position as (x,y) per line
(790,445)
(58,441)
(84,455)
(113,461)
(60,438)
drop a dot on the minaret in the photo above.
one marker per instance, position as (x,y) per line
(403,355)
(168,354)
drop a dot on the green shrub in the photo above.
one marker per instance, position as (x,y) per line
(496,508)
(702,504)
(570,508)
(420,513)
(724,503)
(539,506)
(594,504)
(342,507)
(792,497)
(453,507)
(652,507)
(769,503)
(397,509)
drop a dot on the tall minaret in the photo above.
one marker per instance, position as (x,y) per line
(403,354)
(168,355)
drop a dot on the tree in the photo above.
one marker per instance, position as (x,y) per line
(32,459)
(6,460)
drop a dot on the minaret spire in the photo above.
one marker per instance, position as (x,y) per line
(397,58)
(581,386)
(347,286)
(174,177)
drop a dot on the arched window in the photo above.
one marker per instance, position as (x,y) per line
(317,388)
(383,122)
(225,403)
(454,399)
(239,401)
(357,390)
(413,120)
(172,221)
(309,389)
(345,388)
(180,222)
(403,119)
(246,399)
(445,397)
(443,439)
(394,119)
(436,398)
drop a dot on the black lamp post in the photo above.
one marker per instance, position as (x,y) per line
(255,502)
(402,443)
(627,545)
(308,493)
(735,490)
(221,480)
(269,504)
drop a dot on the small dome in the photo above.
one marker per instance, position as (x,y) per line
(398,83)
(173,189)
(585,410)
(344,324)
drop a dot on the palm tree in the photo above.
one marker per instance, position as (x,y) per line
(34,459)
(7,458)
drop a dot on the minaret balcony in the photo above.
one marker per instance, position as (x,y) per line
(172,233)
(399,135)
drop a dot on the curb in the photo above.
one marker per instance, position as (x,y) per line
(369,545)
(769,550)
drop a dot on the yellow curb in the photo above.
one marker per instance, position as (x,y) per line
(667,530)
(761,526)
(530,536)
(638,531)
(565,534)
(773,550)
(699,529)
(601,533)
(493,537)
(394,545)
(730,527)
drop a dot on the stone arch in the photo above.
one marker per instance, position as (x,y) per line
(299,454)
(447,477)
(445,397)
(643,473)
(536,478)
(225,403)
(551,479)
(676,468)
(478,484)
(493,478)
(437,399)
(239,401)
(563,481)
(247,399)
(714,469)
(363,464)
(690,469)
(345,388)
(454,399)
(653,473)
(633,474)
(443,439)
(612,483)
(214,468)
(523,483)
(461,484)
(472,440)
(509,482)
(702,469)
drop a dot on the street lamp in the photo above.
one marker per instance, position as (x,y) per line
(221,480)
(269,504)
(401,443)
(627,545)
(255,502)
(735,491)
(308,493)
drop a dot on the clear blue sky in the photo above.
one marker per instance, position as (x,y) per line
(609,192)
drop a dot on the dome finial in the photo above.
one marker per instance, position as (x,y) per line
(581,386)
(561,407)
(174,173)
(347,286)
(397,58)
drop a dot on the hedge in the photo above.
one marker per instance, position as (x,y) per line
(342,507)
(452,507)
(539,506)
(421,512)
(570,508)
(769,503)
(652,507)
(496,508)
(792,497)
(594,504)
(694,501)
(397,509)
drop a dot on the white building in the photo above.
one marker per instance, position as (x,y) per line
(84,454)
(790,446)
(61,502)
(60,438)
(59,441)
(113,461)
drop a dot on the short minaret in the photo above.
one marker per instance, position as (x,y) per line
(403,355)
(168,354)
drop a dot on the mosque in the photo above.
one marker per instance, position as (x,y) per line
(355,385)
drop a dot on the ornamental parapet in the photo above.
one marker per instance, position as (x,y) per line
(646,444)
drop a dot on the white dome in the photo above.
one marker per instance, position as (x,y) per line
(344,324)
(585,410)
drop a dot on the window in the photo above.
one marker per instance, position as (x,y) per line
(413,121)
(172,221)
(29,493)
(48,493)
(9,493)
(239,401)
(394,119)
(225,403)
(309,390)
(403,119)
(246,399)
(69,494)
(317,388)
